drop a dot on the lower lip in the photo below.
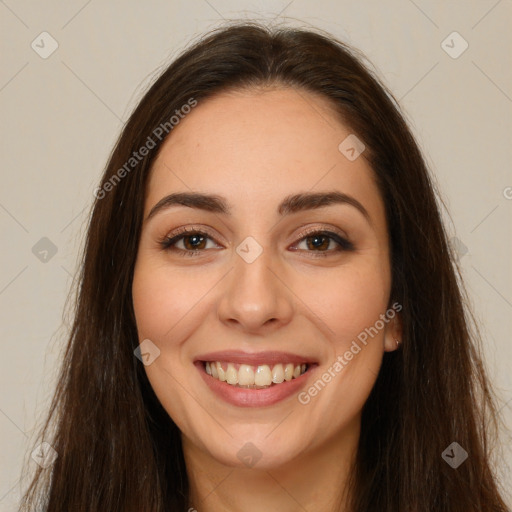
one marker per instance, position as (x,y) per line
(245,397)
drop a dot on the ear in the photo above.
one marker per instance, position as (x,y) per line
(393,333)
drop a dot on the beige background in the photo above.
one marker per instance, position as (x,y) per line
(62,114)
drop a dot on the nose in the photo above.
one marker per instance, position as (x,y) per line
(256,298)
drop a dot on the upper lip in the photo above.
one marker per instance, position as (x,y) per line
(254,358)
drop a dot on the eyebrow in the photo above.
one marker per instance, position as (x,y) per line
(290,204)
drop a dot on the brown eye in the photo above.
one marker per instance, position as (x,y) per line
(324,243)
(192,242)
(318,242)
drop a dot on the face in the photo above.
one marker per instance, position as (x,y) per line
(272,311)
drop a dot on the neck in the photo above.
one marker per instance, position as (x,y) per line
(314,480)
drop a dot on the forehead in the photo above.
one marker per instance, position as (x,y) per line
(256,147)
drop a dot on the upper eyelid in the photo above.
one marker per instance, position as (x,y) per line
(205,230)
(317,229)
(184,231)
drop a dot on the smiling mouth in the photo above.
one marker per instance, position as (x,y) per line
(254,377)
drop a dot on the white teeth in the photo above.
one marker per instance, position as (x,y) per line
(263,376)
(221,372)
(245,375)
(231,374)
(254,376)
(288,371)
(278,374)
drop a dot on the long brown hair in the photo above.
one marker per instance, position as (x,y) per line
(118,449)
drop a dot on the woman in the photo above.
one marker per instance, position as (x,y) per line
(269,315)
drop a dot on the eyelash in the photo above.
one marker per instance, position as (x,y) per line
(168,242)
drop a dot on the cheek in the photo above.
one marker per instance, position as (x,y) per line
(346,300)
(167,306)
(163,297)
(349,303)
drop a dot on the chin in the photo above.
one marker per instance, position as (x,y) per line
(256,449)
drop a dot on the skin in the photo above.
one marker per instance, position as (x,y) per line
(254,148)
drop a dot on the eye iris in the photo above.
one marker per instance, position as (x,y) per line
(316,243)
(196,239)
